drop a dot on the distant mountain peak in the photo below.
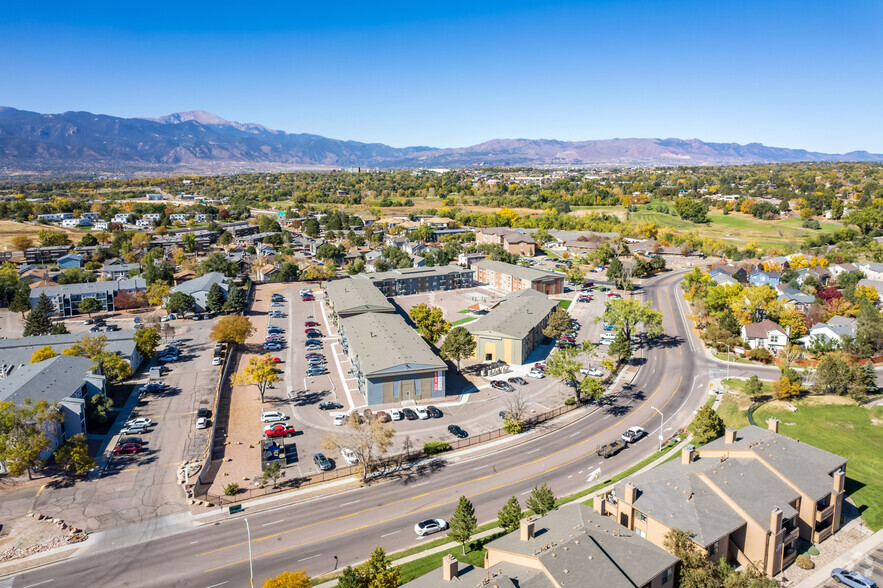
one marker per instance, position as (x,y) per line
(207,118)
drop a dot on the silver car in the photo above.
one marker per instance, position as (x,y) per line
(853,579)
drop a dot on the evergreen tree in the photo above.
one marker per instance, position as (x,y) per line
(349,578)
(21,300)
(214,301)
(37,321)
(541,500)
(59,329)
(621,347)
(509,517)
(706,426)
(463,523)
(753,387)
(236,300)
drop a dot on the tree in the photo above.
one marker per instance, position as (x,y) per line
(21,299)
(760,354)
(232,329)
(59,329)
(218,262)
(541,500)
(592,388)
(366,437)
(158,272)
(180,303)
(378,571)
(430,321)
(89,305)
(22,243)
(621,347)
(236,300)
(188,240)
(37,322)
(349,578)
(157,292)
(146,341)
(42,354)
(706,426)
(509,517)
(695,571)
(614,270)
(75,275)
(310,228)
(114,367)
(90,347)
(558,324)
(753,387)
(73,456)
(273,472)
(290,271)
(566,365)
(50,238)
(463,522)
(458,345)
(23,434)
(99,408)
(784,388)
(225,239)
(214,300)
(627,313)
(259,372)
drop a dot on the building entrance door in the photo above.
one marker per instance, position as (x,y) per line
(408,390)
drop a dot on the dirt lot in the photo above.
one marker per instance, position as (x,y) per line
(10,229)
(28,536)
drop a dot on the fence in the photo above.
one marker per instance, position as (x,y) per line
(386,466)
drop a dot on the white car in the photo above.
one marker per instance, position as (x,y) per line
(430,526)
(421,413)
(216,361)
(201,423)
(339,419)
(634,434)
(272,416)
(594,372)
(536,374)
(306,292)
(140,422)
(395,414)
(349,456)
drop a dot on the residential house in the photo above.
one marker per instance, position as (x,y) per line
(467,259)
(746,498)
(737,273)
(513,241)
(71,260)
(876,284)
(721,278)
(766,334)
(144,223)
(55,217)
(122,218)
(511,278)
(151,216)
(73,223)
(795,298)
(839,268)
(761,278)
(119,271)
(179,216)
(513,329)
(395,241)
(18,350)
(199,288)
(416,280)
(100,225)
(872,270)
(266,273)
(67,298)
(832,331)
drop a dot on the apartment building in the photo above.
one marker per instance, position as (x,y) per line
(513,329)
(67,298)
(513,241)
(416,280)
(351,296)
(746,498)
(507,277)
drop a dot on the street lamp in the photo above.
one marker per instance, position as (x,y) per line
(728,360)
(250,565)
(661,422)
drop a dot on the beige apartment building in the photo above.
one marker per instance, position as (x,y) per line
(516,242)
(508,277)
(746,497)
(513,329)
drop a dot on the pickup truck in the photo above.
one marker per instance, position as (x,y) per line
(279,430)
(612,449)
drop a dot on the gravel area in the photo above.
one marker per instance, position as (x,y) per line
(28,536)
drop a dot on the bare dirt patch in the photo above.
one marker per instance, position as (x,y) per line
(28,536)
(10,229)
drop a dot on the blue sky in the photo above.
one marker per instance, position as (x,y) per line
(790,74)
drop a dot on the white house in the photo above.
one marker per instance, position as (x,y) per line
(151,216)
(91,215)
(76,222)
(766,334)
(100,225)
(833,330)
(179,217)
(872,271)
(55,217)
(122,217)
(144,222)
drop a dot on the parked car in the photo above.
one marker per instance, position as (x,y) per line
(314,342)
(277,303)
(279,430)
(322,462)
(277,314)
(588,284)
(583,299)
(88,322)
(275,330)
(422,414)
(382,416)
(634,434)
(128,448)
(272,416)
(349,456)
(167,358)
(311,324)
(314,334)
(137,429)
(517,380)
(306,292)
(201,423)
(316,370)
(430,526)
(316,361)
(307,298)
(272,346)
(273,360)
(154,386)
(204,412)
(852,579)
(139,422)
(409,414)
(501,385)
(328,405)
(216,360)
(434,412)
(594,372)
(395,414)
(539,375)
(540,365)
(457,432)
(313,346)
(339,419)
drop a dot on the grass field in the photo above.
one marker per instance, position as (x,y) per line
(10,229)
(853,432)
(463,321)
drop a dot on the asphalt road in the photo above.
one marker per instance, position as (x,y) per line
(328,533)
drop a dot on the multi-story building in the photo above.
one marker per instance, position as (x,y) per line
(513,241)
(73,223)
(507,277)
(746,498)
(68,297)
(55,217)
(513,329)
(351,296)
(415,280)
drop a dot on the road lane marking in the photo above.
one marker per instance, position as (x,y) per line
(216,585)
(349,503)
(420,484)
(40,583)
(274,522)
(532,451)
(445,491)
(393,533)
(481,467)
(194,542)
(311,557)
(574,434)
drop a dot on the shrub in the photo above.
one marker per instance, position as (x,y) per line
(760,354)
(804,563)
(231,489)
(433,447)
(570,401)
(513,426)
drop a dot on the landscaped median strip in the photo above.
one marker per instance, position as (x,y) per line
(420,560)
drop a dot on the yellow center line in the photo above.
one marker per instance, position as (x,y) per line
(434,506)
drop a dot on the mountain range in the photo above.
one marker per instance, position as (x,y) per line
(201,142)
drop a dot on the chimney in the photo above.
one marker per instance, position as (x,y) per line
(773,425)
(449,568)
(526,528)
(687,454)
(839,481)
(729,436)
(775,519)
(631,493)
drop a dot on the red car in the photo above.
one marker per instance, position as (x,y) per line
(307,298)
(540,365)
(588,284)
(273,360)
(311,324)
(279,430)
(609,294)
(128,448)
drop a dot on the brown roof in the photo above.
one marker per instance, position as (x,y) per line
(760,330)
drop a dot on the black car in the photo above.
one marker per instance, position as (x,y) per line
(410,414)
(518,380)
(203,413)
(434,413)
(314,334)
(328,405)
(322,462)
(457,431)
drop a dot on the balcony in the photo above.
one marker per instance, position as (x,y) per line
(823,534)
(825,513)
(791,535)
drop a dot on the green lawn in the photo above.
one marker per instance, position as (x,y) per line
(565,304)
(733,358)
(474,556)
(738,385)
(734,410)
(463,321)
(853,432)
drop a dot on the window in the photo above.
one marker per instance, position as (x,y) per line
(640,516)
(712,549)
(667,575)
(641,533)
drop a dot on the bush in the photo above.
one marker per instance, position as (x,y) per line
(570,401)
(512,426)
(433,447)
(804,563)
(760,354)
(231,489)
